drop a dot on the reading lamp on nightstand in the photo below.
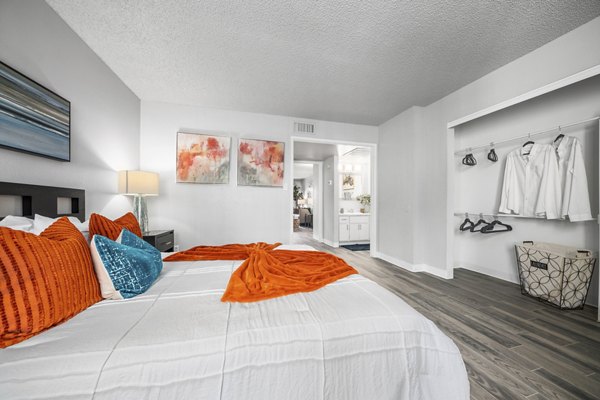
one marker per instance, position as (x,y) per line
(139,184)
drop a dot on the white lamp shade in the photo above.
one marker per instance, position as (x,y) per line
(138,183)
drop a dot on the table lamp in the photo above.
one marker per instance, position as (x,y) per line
(139,184)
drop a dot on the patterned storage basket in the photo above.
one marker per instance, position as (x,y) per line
(555,274)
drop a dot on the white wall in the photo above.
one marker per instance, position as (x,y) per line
(350,206)
(105,114)
(478,188)
(397,176)
(217,214)
(571,53)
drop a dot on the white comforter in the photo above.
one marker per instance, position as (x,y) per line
(349,340)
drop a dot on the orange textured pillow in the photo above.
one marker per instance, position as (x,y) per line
(100,225)
(44,280)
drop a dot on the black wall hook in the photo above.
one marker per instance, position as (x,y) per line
(492,156)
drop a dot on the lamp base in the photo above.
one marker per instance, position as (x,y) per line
(140,210)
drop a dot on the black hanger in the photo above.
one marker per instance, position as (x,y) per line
(492,156)
(527,143)
(560,135)
(478,223)
(469,160)
(490,227)
(467,224)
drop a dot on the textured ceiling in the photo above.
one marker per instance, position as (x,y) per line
(360,61)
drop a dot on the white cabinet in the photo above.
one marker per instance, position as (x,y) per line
(344,232)
(354,232)
(363,231)
(354,228)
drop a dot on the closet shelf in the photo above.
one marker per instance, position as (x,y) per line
(527,136)
(500,215)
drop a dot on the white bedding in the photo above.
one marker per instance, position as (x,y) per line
(349,340)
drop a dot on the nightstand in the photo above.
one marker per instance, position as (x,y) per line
(162,240)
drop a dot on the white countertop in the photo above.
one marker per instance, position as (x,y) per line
(351,214)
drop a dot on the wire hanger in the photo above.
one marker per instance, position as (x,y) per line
(490,227)
(492,156)
(467,224)
(469,159)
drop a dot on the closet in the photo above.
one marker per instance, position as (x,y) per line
(476,174)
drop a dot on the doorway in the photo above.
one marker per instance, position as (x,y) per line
(307,193)
(340,194)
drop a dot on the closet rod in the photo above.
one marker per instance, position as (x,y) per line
(500,215)
(486,146)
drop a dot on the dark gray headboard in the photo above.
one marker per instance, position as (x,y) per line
(43,200)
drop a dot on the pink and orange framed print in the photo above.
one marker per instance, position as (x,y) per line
(260,163)
(202,158)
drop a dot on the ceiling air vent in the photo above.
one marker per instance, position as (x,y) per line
(305,128)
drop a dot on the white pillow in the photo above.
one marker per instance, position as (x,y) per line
(40,223)
(17,223)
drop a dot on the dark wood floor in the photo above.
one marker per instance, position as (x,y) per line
(514,347)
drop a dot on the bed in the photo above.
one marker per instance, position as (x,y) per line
(351,339)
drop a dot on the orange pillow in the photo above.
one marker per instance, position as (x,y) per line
(100,225)
(44,280)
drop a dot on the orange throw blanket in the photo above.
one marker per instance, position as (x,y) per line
(269,273)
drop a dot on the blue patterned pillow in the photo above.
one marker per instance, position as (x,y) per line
(125,267)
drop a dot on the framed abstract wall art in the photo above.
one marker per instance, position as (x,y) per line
(33,119)
(260,163)
(202,158)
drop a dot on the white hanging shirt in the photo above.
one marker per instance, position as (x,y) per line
(531,182)
(574,185)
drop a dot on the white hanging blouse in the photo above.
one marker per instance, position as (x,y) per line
(574,185)
(531,182)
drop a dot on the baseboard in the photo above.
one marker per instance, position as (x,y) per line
(395,261)
(440,272)
(505,276)
(331,243)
